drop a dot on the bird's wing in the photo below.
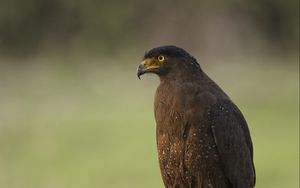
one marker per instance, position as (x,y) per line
(234,144)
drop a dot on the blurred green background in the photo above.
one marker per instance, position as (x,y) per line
(73,113)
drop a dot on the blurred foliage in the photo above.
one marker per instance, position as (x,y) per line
(108,27)
(73,113)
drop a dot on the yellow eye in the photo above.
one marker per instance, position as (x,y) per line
(161,58)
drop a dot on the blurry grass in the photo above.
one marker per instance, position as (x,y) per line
(92,125)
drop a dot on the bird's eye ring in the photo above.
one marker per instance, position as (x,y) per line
(161,58)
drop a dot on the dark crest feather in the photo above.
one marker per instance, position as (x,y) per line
(168,50)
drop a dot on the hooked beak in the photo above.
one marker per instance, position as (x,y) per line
(141,70)
(146,66)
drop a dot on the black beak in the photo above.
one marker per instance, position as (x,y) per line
(141,70)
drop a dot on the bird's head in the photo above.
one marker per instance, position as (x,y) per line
(165,60)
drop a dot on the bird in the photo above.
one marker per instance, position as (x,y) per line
(203,140)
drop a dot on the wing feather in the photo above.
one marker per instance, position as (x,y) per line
(234,144)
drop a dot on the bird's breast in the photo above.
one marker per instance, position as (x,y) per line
(185,143)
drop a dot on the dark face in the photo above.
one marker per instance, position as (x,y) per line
(162,60)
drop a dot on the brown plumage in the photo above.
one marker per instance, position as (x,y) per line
(203,139)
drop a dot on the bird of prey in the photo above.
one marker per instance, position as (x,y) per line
(203,140)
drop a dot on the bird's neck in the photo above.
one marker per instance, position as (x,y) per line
(183,75)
